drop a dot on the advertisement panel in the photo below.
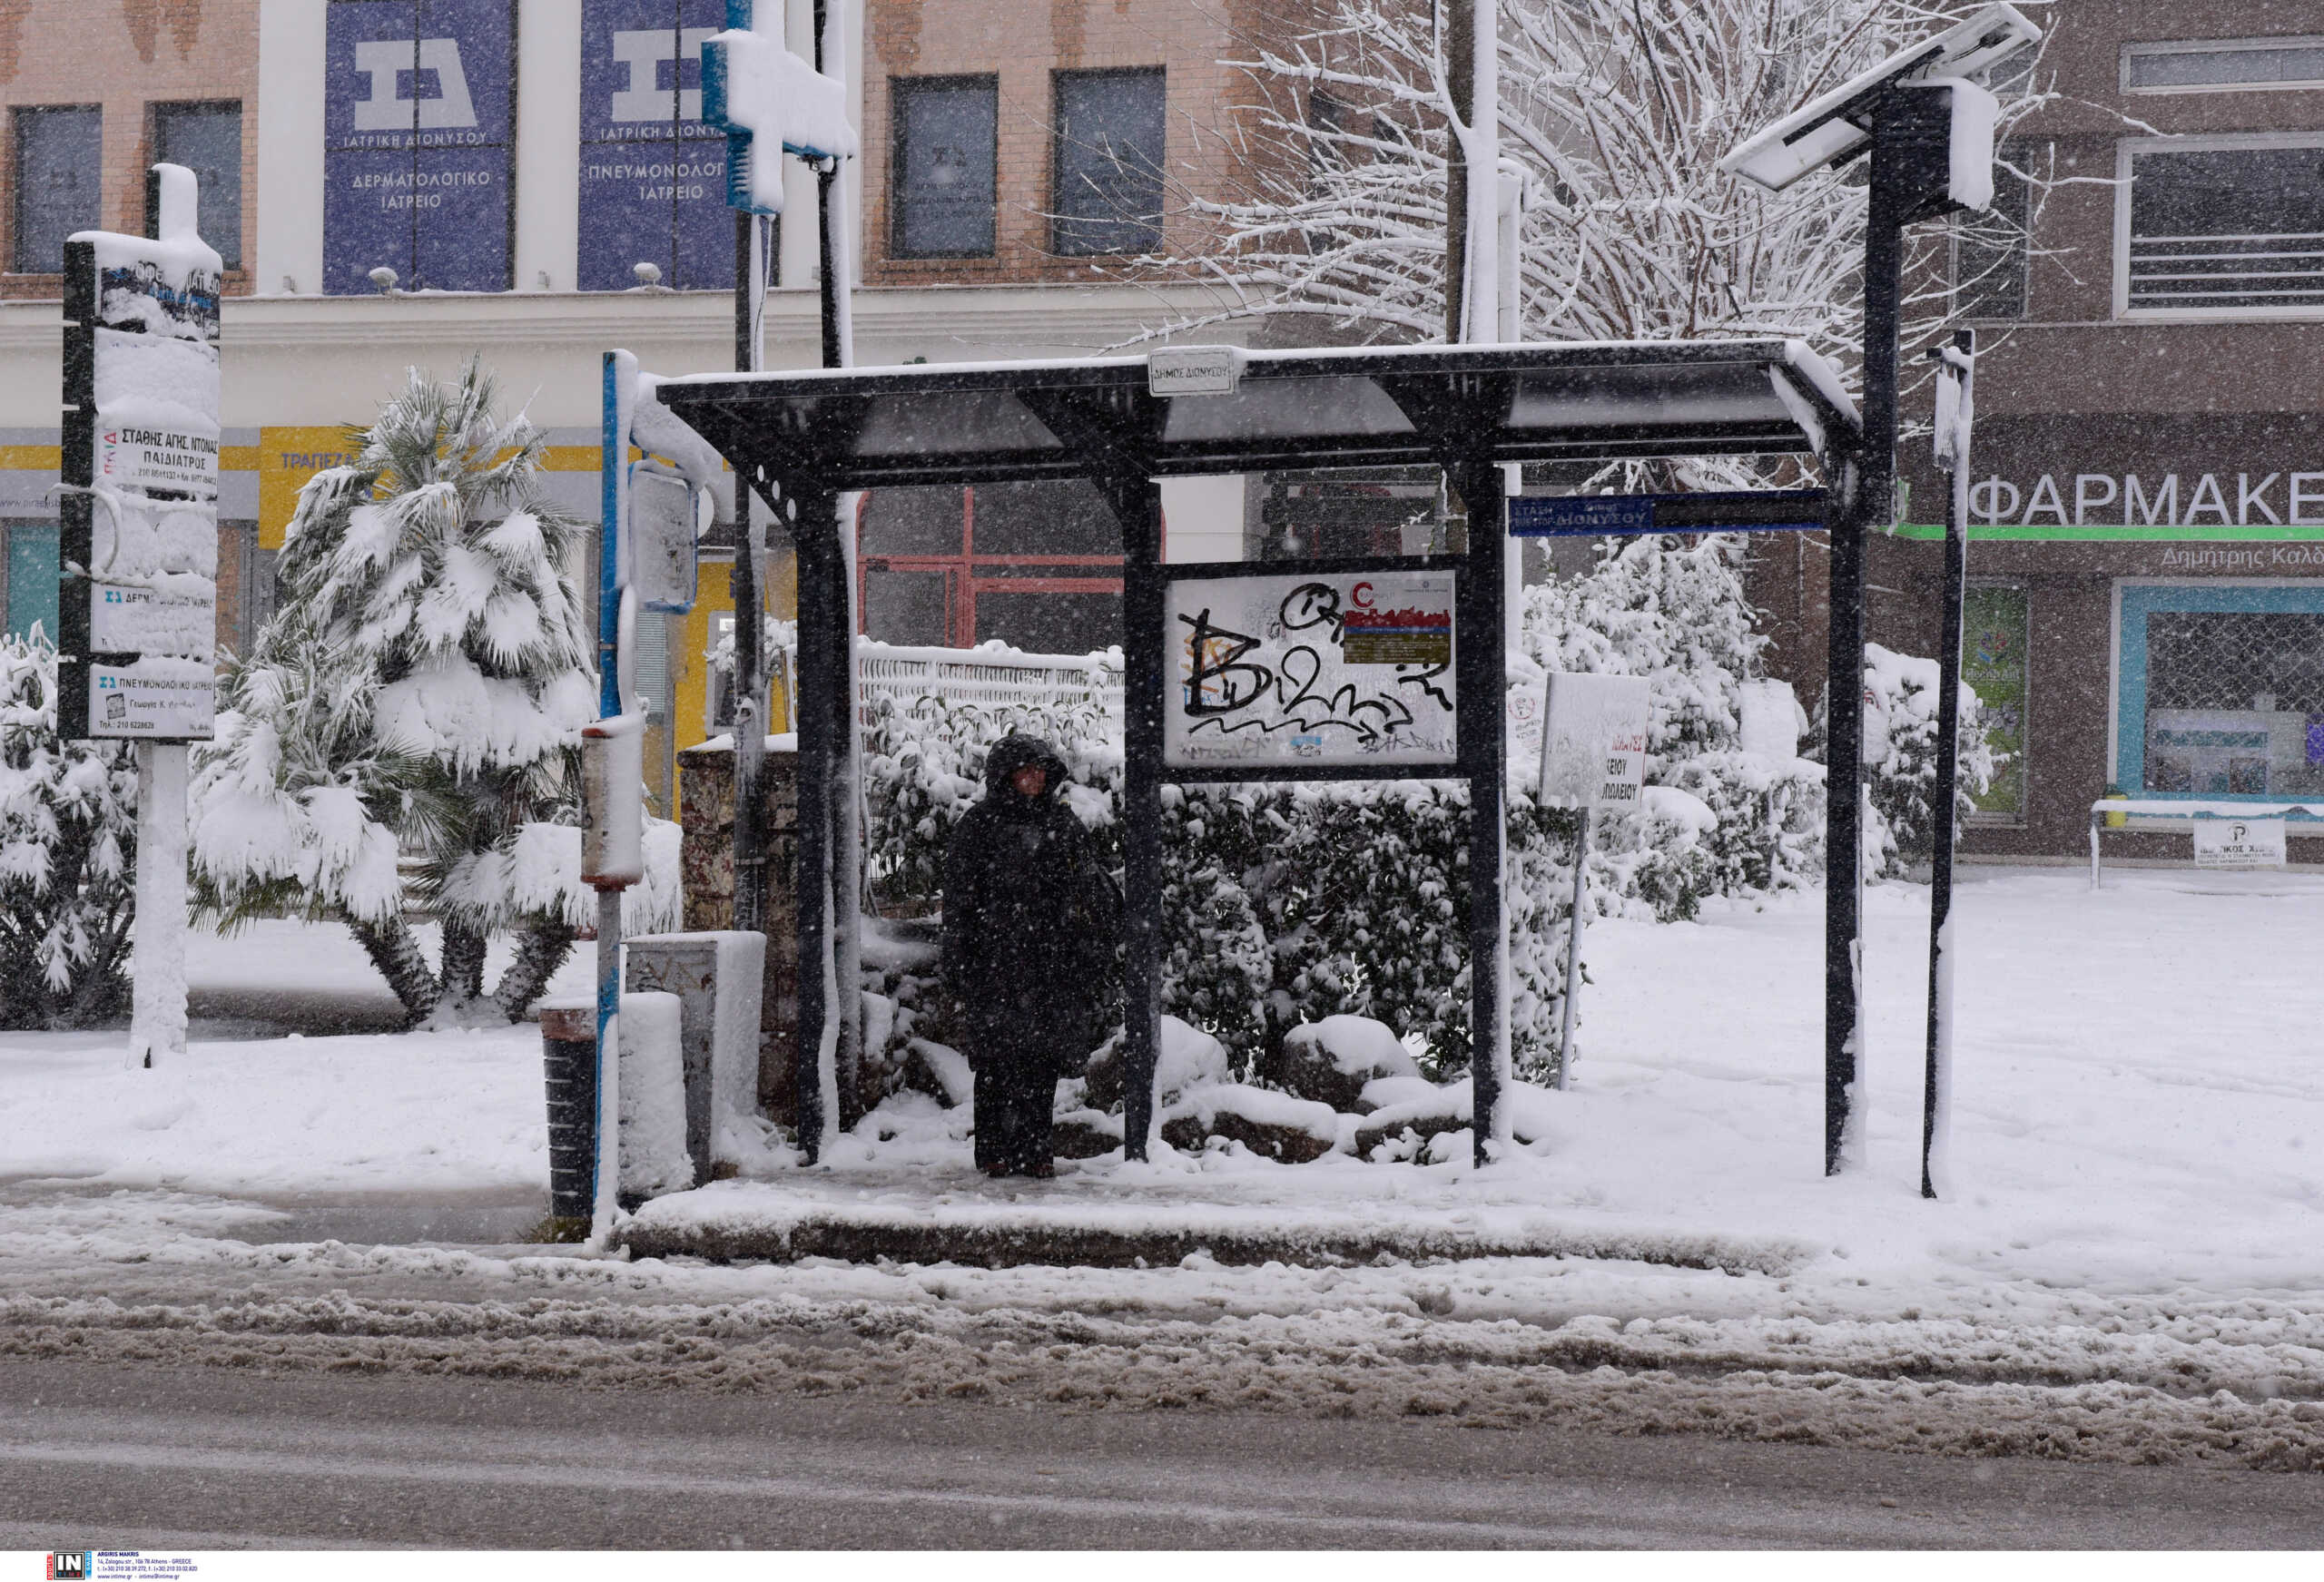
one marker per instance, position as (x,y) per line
(1311,669)
(653,172)
(418,102)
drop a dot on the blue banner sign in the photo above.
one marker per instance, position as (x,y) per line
(1616,516)
(418,135)
(653,172)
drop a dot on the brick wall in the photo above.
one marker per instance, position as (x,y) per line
(1023,44)
(124,56)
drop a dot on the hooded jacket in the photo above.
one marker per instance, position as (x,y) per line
(1030,918)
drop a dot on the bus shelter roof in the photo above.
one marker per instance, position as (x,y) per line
(854,428)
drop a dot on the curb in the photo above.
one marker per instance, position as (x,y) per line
(862,1237)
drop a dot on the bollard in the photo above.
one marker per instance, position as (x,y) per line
(569,1055)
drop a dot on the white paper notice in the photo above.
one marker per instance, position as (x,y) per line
(2238,842)
(1593,741)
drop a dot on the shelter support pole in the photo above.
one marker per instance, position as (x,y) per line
(823,677)
(1937,1077)
(1480,665)
(1874,501)
(1146,680)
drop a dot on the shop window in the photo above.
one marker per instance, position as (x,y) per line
(1997,632)
(418,121)
(207,138)
(2222,226)
(2214,65)
(2222,691)
(1108,195)
(943,170)
(31,568)
(58,162)
(652,185)
(1036,565)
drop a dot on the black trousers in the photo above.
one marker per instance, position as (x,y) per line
(1016,1114)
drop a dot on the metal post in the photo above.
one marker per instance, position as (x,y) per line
(1481,665)
(1145,683)
(157,1015)
(613,473)
(1573,949)
(822,628)
(749,656)
(1935,1095)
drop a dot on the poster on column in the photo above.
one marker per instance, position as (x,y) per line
(1343,669)
(652,185)
(418,115)
(137,592)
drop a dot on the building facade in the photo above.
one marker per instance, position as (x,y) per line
(2146,560)
(530,183)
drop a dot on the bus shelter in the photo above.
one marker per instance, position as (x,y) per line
(1432,627)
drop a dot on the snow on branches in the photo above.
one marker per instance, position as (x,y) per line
(1619,111)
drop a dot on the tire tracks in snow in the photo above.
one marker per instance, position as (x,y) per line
(1938,1386)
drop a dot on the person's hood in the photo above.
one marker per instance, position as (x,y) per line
(1013,753)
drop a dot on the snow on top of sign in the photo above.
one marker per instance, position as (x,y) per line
(1976,115)
(655,428)
(755,85)
(133,540)
(145,381)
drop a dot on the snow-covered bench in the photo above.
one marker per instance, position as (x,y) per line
(2150,815)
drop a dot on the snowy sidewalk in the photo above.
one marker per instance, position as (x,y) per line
(2139,1090)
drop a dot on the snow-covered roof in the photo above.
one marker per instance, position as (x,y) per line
(1363,406)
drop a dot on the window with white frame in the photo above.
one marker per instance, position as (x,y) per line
(2223,65)
(2228,225)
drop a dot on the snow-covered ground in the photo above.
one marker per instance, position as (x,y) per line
(2131,1268)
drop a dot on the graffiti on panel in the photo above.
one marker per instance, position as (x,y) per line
(1344,668)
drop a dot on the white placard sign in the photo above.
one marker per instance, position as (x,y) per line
(1593,741)
(1341,668)
(162,699)
(2238,842)
(132,455)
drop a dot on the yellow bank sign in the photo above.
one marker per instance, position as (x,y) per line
(287,458)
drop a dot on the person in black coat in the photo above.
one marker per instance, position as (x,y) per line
(1030,920)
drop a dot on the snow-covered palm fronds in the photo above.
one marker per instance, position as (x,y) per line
(410,717)
(68,832)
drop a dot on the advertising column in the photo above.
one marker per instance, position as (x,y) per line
(138,590)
